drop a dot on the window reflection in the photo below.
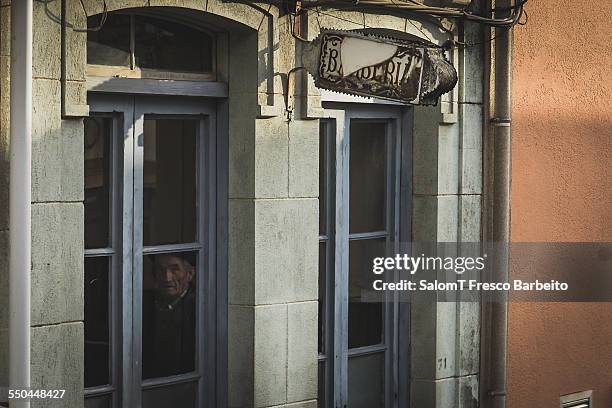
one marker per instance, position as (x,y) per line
(97,139)
(321,383)
(97,324)
(322,295)
(365,318)
(179,395)
(168,314)
(158,44)
(323,178)
(169,181)
(111,44)
(367,176)
(170,46)
(104,401)
(365,381)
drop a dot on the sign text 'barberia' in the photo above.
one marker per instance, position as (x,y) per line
(365,64)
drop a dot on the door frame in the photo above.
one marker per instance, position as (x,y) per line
(128,111)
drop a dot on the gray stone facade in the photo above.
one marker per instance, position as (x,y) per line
(273,210)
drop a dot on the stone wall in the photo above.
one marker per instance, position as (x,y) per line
(273,213)
(273,238)
(447,200)
(57,218)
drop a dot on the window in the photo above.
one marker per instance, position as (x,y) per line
(101,257)
(326,257)
(360,197)
(144,46)
(577,400)
(150,263)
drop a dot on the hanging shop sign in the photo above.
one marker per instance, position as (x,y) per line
(366,64)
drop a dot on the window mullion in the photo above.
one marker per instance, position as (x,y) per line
(116,288)
(206,332)
(329,237)
(341,260)
(137,239)
(396,130)
(390,305)
(127,234)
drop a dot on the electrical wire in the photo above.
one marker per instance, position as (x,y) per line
(464,45)
(412,22)
(513,7)
(346,20)
(387,6)
(102,20)
(517,21)
(405,9)
(453,44)
(263,17)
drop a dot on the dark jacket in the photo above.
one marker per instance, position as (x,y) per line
(168,336)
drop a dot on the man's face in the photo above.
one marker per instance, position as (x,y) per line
(172,276)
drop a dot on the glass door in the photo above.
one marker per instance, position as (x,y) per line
(371,208)
(364,180)
(164,292)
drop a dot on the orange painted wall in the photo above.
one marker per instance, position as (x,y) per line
(562,191)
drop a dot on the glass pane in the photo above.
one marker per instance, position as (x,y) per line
(111,44)
(322,295)
(321,374)
(179,395)
(97,143)
(97,339)
(169,46)
(365,319)
(168,314)
(104,401)
(322,178)
(365,381)
(367,176)
(169,181)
